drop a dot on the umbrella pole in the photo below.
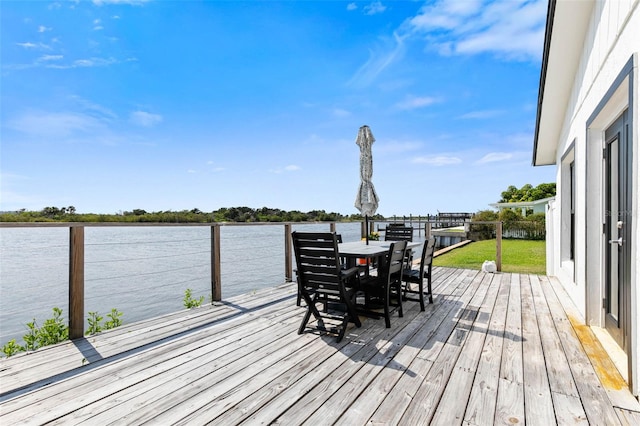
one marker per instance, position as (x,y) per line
(366,227)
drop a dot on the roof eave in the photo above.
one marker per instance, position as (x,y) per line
(561,58)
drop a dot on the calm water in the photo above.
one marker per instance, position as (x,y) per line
(141,271)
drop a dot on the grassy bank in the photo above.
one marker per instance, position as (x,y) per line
(522,256)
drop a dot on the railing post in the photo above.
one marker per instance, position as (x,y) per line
(216,281)
(363,229)
(76,282)
(332,227)
(288,264)
(427,230)
(499,246)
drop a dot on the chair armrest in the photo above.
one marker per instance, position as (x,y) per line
(347,273)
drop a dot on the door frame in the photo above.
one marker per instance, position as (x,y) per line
(618,98)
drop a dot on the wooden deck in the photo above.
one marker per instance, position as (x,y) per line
(492,349)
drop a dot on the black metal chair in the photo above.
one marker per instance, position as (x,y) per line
(398,233)
(387,285)
(417,276)
(321,279)
(343,265)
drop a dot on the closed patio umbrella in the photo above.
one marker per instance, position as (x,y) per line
(367,199)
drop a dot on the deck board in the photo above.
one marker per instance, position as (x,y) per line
(491,349)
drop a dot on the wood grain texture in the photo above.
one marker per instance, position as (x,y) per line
(492,349)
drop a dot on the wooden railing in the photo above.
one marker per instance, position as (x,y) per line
(77,258)
(77,255)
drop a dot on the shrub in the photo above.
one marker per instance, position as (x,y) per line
(188,300)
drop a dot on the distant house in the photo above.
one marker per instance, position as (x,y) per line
(537,206)
(588,126)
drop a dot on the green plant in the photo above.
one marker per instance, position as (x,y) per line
(114,319)
(31,338)
(94,323)
(11,348)
(189,302)
(53,330)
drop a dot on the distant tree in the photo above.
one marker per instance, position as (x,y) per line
(528,193)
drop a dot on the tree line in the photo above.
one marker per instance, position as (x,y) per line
(225,214)
(247,214)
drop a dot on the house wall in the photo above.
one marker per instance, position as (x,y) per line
(612,41)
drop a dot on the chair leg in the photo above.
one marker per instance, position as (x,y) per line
(343,328)
(311,310)
(387,319)
(352,313)
(399,294)
(429,288)
(421,294)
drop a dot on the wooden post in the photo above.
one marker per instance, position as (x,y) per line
(216,281)
(499,246)
(76,282)
(363,229)
(427,230)
(332,228)
(288,264)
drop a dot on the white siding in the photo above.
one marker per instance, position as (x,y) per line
(613,37)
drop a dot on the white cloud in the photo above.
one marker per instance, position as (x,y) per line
(55,124)
(495,156)
(506,28)
(29,45)
(84,63)
(289,168)
(42,29)
(374,8)
(438,160)
(352,6)
(144,119)
(130,2)
(482,114)
(341,113)
(378,61)
(45,58)
(414,102)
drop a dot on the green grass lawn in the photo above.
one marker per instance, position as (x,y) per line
(524,256)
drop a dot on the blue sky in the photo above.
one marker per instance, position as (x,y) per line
(115,105)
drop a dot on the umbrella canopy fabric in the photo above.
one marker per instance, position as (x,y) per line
(367,199)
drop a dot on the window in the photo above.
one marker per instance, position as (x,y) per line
(567,193)
(572,184)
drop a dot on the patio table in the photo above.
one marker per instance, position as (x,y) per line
(361,250)
(374,250)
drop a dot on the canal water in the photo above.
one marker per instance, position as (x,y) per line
(142,272)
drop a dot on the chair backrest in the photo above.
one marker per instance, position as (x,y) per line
(427,256)
(317,261)
(398,233)
(395,260)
